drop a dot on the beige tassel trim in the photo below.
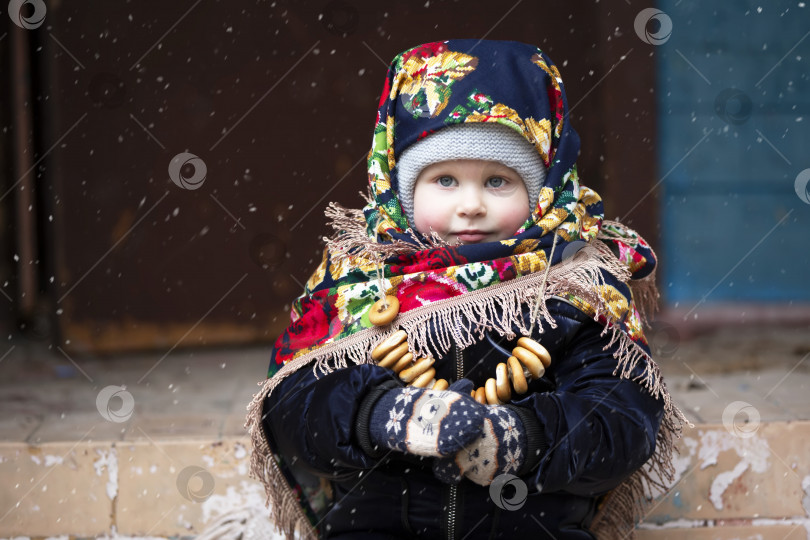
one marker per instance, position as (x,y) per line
(285,513)
(351,239)
(645,296)
(627,504)
(645,290)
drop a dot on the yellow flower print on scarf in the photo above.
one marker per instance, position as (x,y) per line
(317,277)
(615,302)
(527,263)
(424,83)
(499,113)
(539,133)
(552,219)
(556,80)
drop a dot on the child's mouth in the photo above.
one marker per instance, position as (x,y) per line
(471,236)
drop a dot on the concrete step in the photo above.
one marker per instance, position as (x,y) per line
(754,484)
(163,453)
(743,481)
(145,488)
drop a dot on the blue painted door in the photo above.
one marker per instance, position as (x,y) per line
(734,149)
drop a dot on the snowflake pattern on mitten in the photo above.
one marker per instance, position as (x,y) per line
(425,422)
(501,448)
(396,415)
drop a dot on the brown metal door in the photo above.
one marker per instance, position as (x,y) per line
(276,103)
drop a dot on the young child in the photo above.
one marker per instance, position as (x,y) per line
(461,271)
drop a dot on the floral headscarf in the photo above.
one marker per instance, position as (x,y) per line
(565,249)
(426,89)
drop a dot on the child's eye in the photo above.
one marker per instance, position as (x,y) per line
(446,181)
(496,182)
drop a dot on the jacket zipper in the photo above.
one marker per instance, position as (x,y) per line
(451,512)
(452,504)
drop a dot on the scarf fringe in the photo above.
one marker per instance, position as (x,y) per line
(616,230)
(645,291)
(645,296)
(627,504)
(351,239)
(463,320)
(285,512)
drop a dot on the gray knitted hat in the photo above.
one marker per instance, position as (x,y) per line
(476,140)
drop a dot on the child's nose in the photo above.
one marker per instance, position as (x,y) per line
(471,203)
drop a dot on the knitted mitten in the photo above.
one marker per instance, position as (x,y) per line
(501,448)
(426,422)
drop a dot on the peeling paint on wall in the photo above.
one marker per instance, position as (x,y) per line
(249,494)
(753,452)
(108,460)
(53,460)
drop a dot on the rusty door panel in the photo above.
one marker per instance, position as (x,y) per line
(277,103)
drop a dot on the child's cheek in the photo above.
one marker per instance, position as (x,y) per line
(430,220)
(431,214)
(511,221)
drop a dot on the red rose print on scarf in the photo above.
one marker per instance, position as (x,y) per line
(318,323)
(422,289)
(432,259)
(425,51)
(505,268)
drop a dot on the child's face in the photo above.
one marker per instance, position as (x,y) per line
(470,200)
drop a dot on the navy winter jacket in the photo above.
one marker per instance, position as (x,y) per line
(595,429)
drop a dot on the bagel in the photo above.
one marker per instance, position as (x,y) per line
(539,351)
(389,344)
(395,354)
(530,360)
(502,382)
(411,373)
(519,382)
